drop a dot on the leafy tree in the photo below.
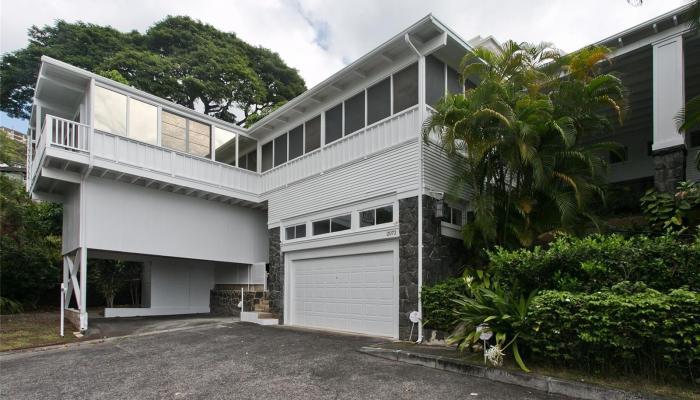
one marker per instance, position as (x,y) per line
(30,242)
(109,277)
(178,58)
(521,138)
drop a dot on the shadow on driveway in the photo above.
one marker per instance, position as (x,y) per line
(100,327)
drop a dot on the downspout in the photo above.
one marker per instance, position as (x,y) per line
(421,117)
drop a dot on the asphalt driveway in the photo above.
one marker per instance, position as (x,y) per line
(234,360)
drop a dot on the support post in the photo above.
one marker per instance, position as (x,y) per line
(83,286)
(63,307)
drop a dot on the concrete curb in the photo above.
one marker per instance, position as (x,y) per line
(32,350)
(546,384)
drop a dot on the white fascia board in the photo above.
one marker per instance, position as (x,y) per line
(140,93)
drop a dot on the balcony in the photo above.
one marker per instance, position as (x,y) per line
(67,150)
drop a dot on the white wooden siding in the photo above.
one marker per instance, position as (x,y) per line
(394,170)
(439,170)
(71,219)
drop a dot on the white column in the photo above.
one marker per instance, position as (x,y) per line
(669,91)
(82,252)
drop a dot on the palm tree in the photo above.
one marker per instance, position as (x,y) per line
(521,137)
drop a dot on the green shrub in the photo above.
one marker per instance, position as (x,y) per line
(626,329)
(9,306)
(599,261)
(438,303)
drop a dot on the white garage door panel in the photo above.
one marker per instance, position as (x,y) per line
(350,293)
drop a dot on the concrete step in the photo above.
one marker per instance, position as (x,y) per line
(260,308)
(256,318)
(262,315)
(268,321)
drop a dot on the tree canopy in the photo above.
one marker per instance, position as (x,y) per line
(178,58)
(523,138)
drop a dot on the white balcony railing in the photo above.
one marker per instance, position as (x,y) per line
(123,151)
(386,133)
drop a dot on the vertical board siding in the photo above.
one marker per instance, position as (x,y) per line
(159,159)
(691,172)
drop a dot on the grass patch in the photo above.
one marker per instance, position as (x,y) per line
(677,390)
(20,331)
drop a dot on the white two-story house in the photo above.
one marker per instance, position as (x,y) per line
(332,205)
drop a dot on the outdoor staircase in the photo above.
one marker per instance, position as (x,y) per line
(261,314)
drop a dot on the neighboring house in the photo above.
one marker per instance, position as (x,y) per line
(328,204)
(15,171)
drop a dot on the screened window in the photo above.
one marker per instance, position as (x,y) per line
(313,134)
(295,232)
(434,80)
(296,142)
(225,144)
(334,123)
(143,121)
(266,156)
(280,150)
(377,216)
(379,101)
(321,227)
(110,111)
(248,148)
(355,113)
(174,131)
(406,88)
(453,85)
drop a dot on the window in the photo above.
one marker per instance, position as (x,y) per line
(313,134)
(248,150)
(110,111)
(143,121)
(321,227)
(295,232)
(296,142)
(335,224)
(355,113)
(434,80)
(174,131)
(225,144)
(406,88)
(334,123)
(280,149)
(452,215)
(453,85)
(266,156)
(379,101)
(182,134)
(619,156)
(198,139)
(341,223)
(377,216)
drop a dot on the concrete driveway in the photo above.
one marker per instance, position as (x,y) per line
(233,360)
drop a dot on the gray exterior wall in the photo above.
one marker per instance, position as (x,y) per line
(129,218)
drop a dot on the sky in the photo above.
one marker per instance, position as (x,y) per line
(319,37)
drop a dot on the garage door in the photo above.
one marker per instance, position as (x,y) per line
(353,293)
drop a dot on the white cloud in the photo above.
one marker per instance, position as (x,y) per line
(318,37)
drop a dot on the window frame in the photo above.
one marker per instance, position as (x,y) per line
(374,215)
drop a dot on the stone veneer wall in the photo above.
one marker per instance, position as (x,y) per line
(669,168)
(224,301)
(408,263)
(275,277)
(443,256)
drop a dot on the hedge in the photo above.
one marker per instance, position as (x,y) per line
(629,329)
(599,261)
(438,305)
